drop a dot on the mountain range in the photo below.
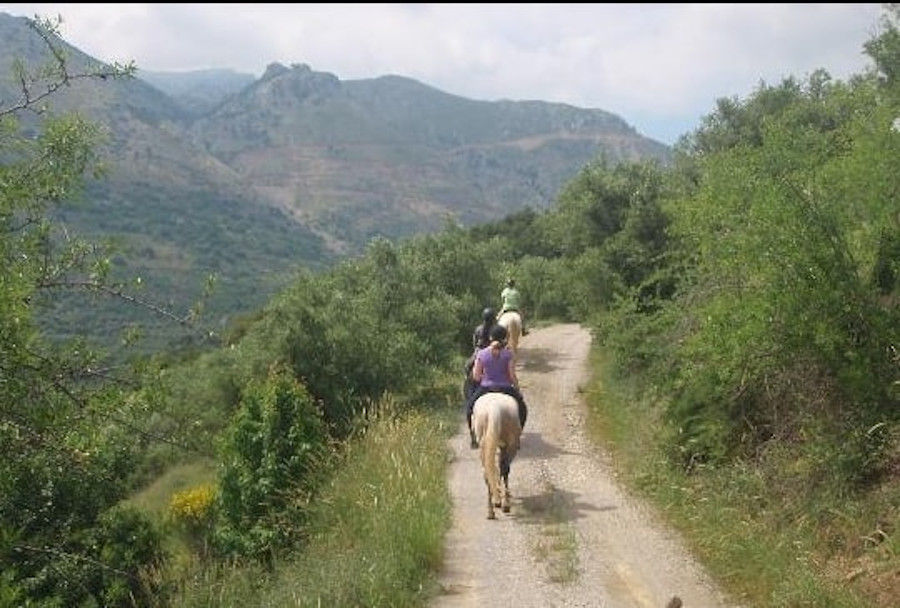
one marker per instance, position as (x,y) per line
(251,178)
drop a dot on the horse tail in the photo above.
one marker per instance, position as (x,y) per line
(490,443)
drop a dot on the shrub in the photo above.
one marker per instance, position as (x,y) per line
(273,458)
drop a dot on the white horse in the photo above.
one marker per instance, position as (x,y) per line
(512,321)
(495,420)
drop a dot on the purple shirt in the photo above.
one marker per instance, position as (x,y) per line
(495,369)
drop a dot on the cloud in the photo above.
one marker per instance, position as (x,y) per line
(654,65)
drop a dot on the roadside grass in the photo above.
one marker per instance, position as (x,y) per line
(156,497)
(155,500)
(375,534)
(765,533)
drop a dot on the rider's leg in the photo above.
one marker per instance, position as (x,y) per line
(517,395)
(470,406)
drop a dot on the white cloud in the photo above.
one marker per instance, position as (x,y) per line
(659,66)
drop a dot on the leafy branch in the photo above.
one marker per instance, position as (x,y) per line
(53,76)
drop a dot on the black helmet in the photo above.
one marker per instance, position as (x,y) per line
(488,315)
(498,333)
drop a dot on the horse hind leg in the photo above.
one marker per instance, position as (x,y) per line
(496,490)
(505,461)
(489,464)
(490,501)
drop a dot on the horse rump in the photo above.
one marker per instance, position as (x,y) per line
(495,420)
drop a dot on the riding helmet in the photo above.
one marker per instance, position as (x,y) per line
(488,315)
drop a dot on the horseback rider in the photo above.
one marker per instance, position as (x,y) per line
(495,371)
(481,338)
(512,301)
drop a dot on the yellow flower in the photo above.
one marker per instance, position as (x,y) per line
(192,506)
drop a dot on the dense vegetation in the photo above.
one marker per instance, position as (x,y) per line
(747,300)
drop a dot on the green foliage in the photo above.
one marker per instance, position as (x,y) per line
(375,533)
(549,284)
(522,230)
(274,455)
(884,49)
(112,563)
(590,207)
(788,223)
(752,306)
(133,544)
(68,437)
(755,520)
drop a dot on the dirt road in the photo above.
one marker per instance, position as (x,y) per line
(573,537)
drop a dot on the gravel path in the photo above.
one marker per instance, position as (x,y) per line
(573,537)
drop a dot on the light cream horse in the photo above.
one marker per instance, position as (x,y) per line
(512,321)
(495,420)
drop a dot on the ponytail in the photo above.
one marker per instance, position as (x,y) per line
(498,337)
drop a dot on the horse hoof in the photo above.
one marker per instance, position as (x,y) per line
(505,508)
(491,515)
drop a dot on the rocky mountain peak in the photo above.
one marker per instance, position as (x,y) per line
(297,82)
(274,70)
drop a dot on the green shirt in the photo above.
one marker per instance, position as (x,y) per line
(511,299)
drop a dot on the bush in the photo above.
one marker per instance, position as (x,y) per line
(273,457)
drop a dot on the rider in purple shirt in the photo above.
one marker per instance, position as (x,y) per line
(495,371)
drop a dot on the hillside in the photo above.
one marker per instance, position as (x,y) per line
(178,211)
(393,156)
(250,180)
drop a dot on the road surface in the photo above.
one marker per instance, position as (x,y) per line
(574,537)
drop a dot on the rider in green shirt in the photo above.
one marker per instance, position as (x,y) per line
(512,300)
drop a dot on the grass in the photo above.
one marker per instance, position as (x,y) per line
(375,536)
(155,498)
(768,536)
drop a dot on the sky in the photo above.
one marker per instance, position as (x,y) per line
(661,67)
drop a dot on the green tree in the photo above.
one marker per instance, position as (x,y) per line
(66,435)
(274,455)
(793,217)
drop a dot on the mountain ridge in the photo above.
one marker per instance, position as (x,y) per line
(253,177)
(330,151)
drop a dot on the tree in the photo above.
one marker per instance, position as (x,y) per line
(66,435)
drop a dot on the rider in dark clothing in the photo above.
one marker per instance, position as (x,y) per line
(482,335)
(481,338)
